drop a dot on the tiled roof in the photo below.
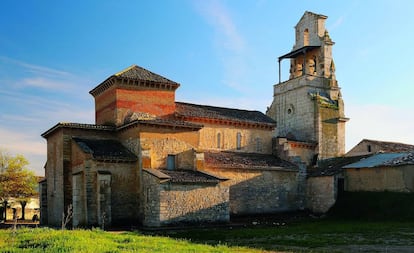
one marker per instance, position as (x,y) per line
(220,113)
(383,159)
(105,149)
(190,176)
(333,166)
(135,76)
(78,126)
(163,122)
(184,176)
(227,159)
(137,72)
(387,146)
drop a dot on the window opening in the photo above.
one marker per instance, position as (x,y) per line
(238,144)
(258,145)
(219,140)
(171,162)
(306,37)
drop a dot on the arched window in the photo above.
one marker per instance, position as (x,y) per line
(238,144)
(218,140)
(306,37)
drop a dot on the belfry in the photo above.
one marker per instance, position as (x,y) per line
(308,108)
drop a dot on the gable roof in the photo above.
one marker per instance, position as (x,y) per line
(184,176)
(139,73)
(135,76)
(77,126)
(383,159)
(105,149)
(387,146)
(333,166)
(188,111)
(239,160)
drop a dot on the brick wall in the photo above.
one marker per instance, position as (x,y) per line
(114,105)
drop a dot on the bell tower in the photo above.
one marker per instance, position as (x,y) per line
(308,108)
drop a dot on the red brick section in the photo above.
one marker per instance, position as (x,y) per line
(116,103)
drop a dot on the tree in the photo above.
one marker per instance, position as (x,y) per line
(16,181)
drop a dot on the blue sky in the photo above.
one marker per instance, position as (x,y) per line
(224,53)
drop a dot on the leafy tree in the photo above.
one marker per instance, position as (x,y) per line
(16,181)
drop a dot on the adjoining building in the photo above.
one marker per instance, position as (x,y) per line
(151,160)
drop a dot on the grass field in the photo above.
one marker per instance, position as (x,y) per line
(304,236)
(359,222)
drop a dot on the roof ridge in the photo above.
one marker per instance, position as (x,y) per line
(219,107)
(126,70)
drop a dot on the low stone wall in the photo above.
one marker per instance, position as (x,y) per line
(321,193)
(167,203)
(257,191)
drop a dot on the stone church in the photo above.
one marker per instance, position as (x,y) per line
(152,160)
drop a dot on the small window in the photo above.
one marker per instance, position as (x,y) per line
(369,148)
(171,162)
(258,145)
(306,37)
(219,140)
(238,144)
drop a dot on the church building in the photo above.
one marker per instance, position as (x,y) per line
(152,160)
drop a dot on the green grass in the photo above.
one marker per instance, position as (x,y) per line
(307,236)
(50,240)
(317,235)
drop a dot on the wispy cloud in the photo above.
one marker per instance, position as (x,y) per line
(46,83)
(338,22)
(35,69)
(220,18)
(230,42)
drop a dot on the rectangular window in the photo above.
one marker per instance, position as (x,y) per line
(238,144)
(171,162)
(218,140)
(258,145)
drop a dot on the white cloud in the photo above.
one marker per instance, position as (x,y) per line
(35,69)
(217,15)
(230,42)
(379,122)
(46,83)
(28,144)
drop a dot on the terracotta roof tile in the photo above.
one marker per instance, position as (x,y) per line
(333,166)
(105,149)
(227,159)
(137,72)
(387,146)
(212,112)
(190,176)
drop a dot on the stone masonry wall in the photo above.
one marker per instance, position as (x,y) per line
(151,201)
(189,203)
(175,203)
(332,141)
(54,175)
(321,193)
(216,137)
(395,179)
(260,191)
